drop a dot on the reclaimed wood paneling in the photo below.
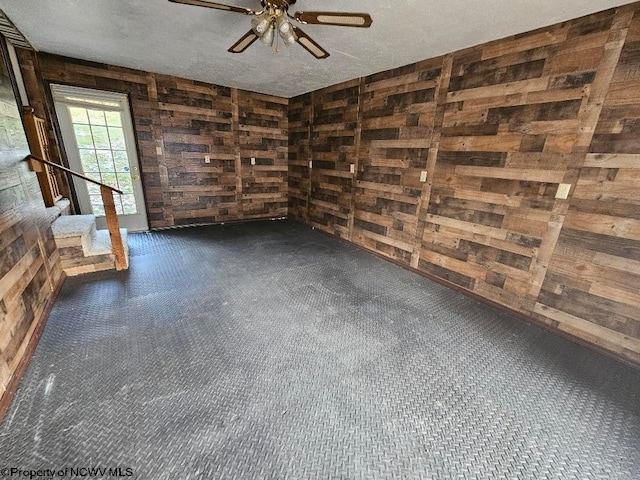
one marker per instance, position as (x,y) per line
(29,261)
(333,150)
(591,287)
(512,120)
(263,135)
(177,123)
(196,120)
(497,128)
(300,119)
(397,128)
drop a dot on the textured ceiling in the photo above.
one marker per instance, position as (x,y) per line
(192,42)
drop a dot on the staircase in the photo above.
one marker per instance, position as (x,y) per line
(83,249)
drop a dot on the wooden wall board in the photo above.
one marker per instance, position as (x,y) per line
(300,119)
(507,139)
(196,120)
(30,269)
(333,151)
(497,128)
(397,124)
(186,120)
(263,135)
(594,273)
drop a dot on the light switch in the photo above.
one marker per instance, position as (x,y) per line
(253,160)
(310,163)
(423,176)
(352,168)
(207,159)
(158,150)
(563,191)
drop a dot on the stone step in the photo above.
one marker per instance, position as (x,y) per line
(102,243)
(83,249)
(74,231)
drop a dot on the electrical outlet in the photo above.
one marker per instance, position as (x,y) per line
(158,150)
(310,163)
(563,191)
(352,168)
(423,176)
(207,159)
(253,160)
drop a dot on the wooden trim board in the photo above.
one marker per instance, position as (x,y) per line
(14,383)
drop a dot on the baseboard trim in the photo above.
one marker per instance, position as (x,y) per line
(520,315)
(16,378)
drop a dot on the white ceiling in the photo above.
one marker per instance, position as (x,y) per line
(192,42)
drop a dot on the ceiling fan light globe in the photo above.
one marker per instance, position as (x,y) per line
(283,25)
(268,36)
(288,38)
(260,24)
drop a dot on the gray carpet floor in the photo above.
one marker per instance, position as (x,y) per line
(270,351)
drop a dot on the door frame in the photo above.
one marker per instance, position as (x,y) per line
(64,131)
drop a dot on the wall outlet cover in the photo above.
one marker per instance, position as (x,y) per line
(423,176)
(563,191)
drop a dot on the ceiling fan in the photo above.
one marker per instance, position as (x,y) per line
(275,18)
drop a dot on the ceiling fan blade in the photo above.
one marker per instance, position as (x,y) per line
(245,42)
(341,19)
(310,45)
(217,6)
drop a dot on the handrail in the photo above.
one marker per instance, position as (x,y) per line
(111,217)
(72,172)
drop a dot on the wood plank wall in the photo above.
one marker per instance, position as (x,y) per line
(592,286)
(30,268)
(263,130)
(300,120)
(496,129)
(186,120)
(397,130)
(333,149)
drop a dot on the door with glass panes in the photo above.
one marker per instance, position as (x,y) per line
(97,132)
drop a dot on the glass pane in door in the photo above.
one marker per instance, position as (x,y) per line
(102,147)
